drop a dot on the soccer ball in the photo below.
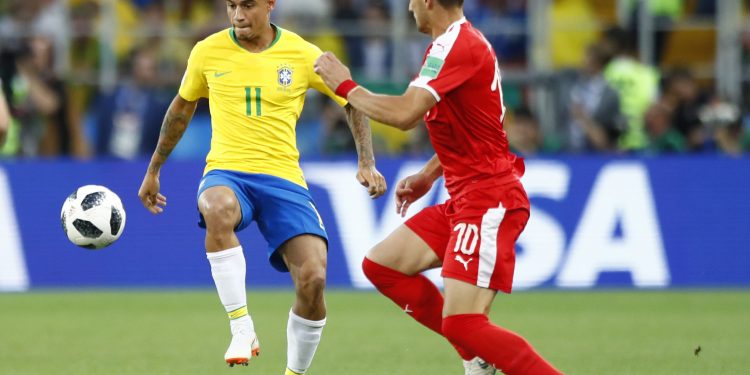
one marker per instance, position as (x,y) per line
(93,217)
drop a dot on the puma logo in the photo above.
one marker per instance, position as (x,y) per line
(461,260)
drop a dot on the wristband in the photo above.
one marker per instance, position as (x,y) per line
(345,88)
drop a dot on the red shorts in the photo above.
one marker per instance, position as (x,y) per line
(474,235)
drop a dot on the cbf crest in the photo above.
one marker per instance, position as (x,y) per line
(286,74)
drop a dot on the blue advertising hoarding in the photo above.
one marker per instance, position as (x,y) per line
(595,222)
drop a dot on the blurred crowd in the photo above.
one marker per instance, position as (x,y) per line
(56,59)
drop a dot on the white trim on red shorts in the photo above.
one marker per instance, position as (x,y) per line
(488,245)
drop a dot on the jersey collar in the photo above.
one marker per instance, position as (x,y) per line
(273,43)
(458,23)
(454,24)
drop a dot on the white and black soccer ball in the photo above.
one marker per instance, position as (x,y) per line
(93,217)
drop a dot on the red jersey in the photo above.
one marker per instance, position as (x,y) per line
(466,125)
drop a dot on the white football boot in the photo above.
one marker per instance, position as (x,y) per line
(477,366)
(243,347)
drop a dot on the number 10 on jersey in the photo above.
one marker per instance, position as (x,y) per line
(252,101)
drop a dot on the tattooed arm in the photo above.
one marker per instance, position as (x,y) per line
(367,174)
(175,123)
(400,111)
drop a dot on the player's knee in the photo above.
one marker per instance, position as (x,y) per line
(220,212)
(378,275)
(376,251)
(311,282)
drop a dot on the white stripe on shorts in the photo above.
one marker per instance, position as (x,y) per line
(488,248)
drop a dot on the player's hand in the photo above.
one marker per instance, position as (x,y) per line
(149,194)
(369,177)
(410,189)
(333,71)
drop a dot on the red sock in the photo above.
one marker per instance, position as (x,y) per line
(507,351)
(417,295)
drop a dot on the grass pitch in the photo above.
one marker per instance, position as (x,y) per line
(183,332)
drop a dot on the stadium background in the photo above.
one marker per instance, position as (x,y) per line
(635,260)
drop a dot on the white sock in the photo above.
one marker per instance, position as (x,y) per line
(228,270)
(302,337)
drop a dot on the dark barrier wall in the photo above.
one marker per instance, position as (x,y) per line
(654,223)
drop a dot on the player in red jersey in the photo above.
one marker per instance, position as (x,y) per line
(472,235)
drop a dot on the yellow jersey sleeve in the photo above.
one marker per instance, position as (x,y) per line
(194,85)
(316,81)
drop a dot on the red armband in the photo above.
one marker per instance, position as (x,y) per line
(345,88)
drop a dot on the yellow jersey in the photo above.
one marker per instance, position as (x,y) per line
(255,100)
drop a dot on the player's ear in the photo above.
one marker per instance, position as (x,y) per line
(429,4)
(271,4)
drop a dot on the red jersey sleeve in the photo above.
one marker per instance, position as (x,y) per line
(447,64)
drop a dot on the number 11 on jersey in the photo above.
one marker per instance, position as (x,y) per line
(252,101)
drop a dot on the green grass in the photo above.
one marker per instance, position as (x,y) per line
(181,332)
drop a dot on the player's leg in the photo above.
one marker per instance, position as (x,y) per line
(471,284)
(221,213)
(297,241)
(395,264)
(305,256)
(466,324)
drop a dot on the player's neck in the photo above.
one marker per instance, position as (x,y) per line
(444,19)
(262,41)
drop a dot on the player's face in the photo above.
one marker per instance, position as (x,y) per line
(419,9)
(248,17)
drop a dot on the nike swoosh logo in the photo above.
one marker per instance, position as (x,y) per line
(217,74)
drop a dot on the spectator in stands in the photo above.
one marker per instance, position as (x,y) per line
(171,51)
(488,14)
(723,121)
(34,17)
(524,134)
(664,14)
(62,135)
(22,20)
(84,57)
(680,92)
(376,47)
(595,122)
(346,20)
(636,84)
(663,137)
(129,118)
(38,101)
(86,52)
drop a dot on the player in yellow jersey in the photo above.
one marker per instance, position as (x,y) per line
(255,76)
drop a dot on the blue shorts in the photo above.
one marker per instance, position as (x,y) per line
(282,208)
